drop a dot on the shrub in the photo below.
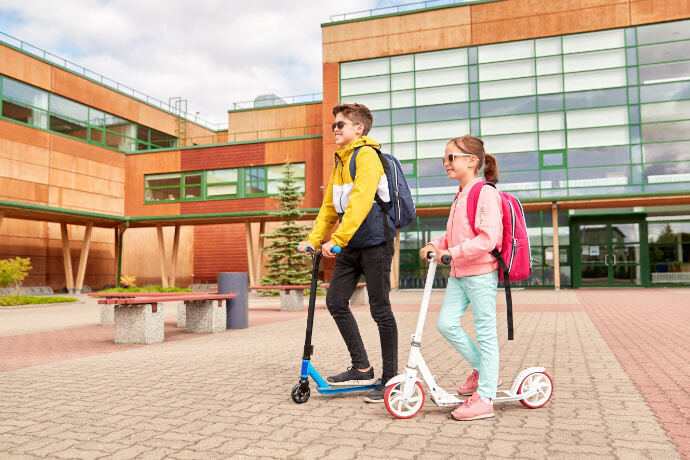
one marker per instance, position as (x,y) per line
(31,300)
(13,272)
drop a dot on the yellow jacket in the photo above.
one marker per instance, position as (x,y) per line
(350,199)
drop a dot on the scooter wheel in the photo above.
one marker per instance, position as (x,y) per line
(541,382)
(300,394)
(400,407)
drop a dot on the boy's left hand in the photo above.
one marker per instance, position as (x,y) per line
(326,249)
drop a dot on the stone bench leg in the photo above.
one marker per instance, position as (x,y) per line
(107,314)
(138,324)
(360,296)
(292,300)
(205,316)
(181,314)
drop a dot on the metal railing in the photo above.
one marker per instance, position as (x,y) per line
(399,9)
(255,136)
(100,79)
(277,101)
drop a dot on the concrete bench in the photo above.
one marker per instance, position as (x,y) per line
(359,297)
(139,318)
(291,297)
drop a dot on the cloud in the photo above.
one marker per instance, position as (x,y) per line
(210,52)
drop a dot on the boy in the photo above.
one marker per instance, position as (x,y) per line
(364,251)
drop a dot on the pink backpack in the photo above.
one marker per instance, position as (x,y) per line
(515,257)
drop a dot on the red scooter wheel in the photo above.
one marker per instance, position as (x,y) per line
(542,383)
(401,407)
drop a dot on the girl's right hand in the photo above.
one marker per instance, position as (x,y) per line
(426,249)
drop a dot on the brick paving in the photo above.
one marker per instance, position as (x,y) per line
(617,358)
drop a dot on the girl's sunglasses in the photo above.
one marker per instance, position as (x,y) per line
(341,124)
(448,159)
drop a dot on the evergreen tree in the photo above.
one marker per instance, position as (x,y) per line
(285,265)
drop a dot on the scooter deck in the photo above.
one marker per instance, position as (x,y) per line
(322,385)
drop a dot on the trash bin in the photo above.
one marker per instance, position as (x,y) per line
(237,308)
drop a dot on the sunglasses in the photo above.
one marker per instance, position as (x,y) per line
(341,124)
(448,159)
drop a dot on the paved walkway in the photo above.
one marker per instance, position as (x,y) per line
(618,359)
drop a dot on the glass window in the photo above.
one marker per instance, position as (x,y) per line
(439,77)
(664,32)
(73,110)
(674,151)
(24,94)
(550,84)
(432,149)
(595,60)
(402,81)
(431,167)
(381,117)
(442,129)
(506,51)
(219,176)
(372,101)
(163,187)
(526,180)
(672,131)
(510,106)
(597,177)
(403,133)
(551,140)
(255,180)
(667,172)
(445,58)
(517,161)
(606,116)
(615,135)
(597,79)
(402,98)
(598,156)
(504,70)
(510,143)
(402,63)
(509,124)
(364,68)
(547,46)
(665,92)
(442,95)
(600,98)
(551,121)
(192,185)
(507,88)
(382,134)
(550,160)
(365,85)
(551,102)
(668,232)
(674,51)
(593,41)
(402,116)
(404,151)
(276,174)
(549,65)
(662,73)
(442,112)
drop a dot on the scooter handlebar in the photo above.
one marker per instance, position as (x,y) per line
(445,258)
(310,250)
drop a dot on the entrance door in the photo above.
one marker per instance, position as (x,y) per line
(610,252)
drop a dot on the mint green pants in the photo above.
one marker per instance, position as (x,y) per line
(480,291)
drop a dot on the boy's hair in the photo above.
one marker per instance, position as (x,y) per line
(475,146)
(356,113)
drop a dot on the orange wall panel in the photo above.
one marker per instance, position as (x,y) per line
(94,202)
(66,162)
(137,166)
(21,67)
(82,149)
(27,192)
(646,11)
(24,134)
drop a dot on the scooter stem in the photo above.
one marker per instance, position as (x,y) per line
(417,337)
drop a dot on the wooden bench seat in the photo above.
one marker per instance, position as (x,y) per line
(291,297)
(138,317)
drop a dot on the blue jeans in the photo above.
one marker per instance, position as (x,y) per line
(480,291)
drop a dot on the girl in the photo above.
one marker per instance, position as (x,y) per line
(473,275)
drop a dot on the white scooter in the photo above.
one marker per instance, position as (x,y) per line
(404,395)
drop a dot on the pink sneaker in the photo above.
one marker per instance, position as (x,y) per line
(473,409)
(472,383)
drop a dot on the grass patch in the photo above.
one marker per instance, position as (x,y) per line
(147,289)
(12,300)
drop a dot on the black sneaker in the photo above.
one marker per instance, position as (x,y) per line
(376,395)
(352,377)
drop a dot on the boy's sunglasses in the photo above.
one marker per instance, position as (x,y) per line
(448,159)
(341,124)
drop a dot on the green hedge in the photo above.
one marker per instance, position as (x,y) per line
(12,300)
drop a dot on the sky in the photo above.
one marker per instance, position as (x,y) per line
(212,53)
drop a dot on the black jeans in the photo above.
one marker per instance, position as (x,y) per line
(375,264)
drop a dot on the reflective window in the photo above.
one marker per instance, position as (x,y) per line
(665,32)
(662,73)
(508,106)
(671,131)
(598,156)
(674,151)
(442,112)
(665,92)
(666,52)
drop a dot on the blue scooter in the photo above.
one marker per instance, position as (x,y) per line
(300,392)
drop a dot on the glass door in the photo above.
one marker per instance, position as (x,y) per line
(609,254)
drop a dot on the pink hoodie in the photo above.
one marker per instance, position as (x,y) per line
(472,253)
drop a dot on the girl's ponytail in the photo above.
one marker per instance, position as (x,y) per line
(490,168)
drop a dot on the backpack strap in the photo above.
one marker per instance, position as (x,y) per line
(472,201)
(384,206)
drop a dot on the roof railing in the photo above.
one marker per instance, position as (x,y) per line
(398,9)
(274,101)
(100,79)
